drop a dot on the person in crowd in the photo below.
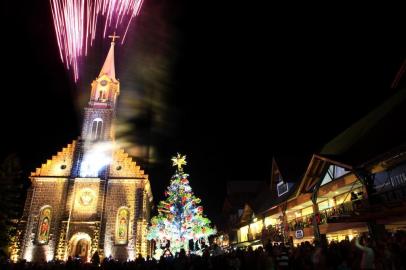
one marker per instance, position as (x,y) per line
(359,253)
(95,258)
(368,254)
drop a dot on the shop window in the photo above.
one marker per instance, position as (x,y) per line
(325,204)
(307,211)
(342,198)
(256,227)
(269,221)
(244,234)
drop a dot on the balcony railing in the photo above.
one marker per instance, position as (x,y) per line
(390,197)
(300,222)
(344,209)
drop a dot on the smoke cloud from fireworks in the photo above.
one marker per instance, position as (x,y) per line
(76,23)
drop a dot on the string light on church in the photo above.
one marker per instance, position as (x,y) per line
(76,23)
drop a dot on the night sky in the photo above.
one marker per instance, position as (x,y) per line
(232,84)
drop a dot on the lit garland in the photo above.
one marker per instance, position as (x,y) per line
(180,218)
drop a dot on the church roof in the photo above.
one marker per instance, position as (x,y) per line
(60,165)
(108,66)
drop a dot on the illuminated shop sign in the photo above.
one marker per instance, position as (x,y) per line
(299,234)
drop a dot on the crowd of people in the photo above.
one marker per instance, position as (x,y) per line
(389,253)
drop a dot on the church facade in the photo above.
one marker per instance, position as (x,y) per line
(91,196)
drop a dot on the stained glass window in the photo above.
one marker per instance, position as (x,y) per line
(44,225)
(122,226)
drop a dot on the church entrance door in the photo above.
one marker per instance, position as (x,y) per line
(79,246)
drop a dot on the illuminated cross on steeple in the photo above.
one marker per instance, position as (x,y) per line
(113,37)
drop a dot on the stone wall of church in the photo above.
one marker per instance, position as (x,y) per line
(141,212)
(121,193)
(18,243)
(87,197)
(45,192)
(82,215)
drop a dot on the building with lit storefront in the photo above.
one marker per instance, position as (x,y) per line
(91,196)
(263,218)
(239,196)
(356,184)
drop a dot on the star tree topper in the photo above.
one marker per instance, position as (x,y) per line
(179,161)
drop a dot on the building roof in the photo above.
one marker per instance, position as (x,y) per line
(234,187)
(379,131)
(292,169)
(241,192)
(265,201)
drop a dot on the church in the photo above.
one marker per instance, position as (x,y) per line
(91,196)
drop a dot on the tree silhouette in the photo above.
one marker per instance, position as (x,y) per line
(11,199)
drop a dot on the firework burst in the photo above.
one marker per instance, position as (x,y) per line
(76,22)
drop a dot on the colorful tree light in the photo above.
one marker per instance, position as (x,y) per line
(180,218)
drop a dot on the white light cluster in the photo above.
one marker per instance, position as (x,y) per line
(97,157)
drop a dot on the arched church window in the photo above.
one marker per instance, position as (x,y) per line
(97,129)
(123,216)
(101,95)
(44,225)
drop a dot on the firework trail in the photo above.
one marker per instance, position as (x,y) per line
(399,75)
(76,22)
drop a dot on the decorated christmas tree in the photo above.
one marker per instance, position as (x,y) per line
(180,221)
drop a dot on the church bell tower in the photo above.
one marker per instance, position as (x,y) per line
(100,112)
(97,140)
